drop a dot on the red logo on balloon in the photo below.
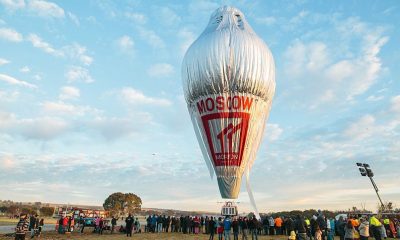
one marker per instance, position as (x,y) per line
(226,136)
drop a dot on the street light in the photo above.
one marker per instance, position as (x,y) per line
(365,170)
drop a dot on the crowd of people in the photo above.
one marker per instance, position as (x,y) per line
(33,224)
(318,227)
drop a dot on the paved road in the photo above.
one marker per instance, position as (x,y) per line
(10,228)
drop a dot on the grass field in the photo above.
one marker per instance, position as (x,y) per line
(144,236)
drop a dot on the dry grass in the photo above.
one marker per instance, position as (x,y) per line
(143,236)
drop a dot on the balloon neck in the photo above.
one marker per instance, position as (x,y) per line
(229,186)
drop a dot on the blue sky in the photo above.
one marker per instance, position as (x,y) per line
(91,103)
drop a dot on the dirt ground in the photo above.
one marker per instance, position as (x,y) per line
(143,236)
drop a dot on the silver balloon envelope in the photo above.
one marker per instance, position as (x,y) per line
(228,78)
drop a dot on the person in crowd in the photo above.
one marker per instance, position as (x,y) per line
(318,232)
(300,227)
(322,223)
(349,231)
(137,226)
(375,226)
(383,230)
(177,225)
(340,227)
(206,225)
(113,224)
(265,224)
(101,226)
(168,223)
(211,228)
(330,222)
(128,225)
(22,227)
(278,225)
(83,224)
(41,224)
(196,225)
(364,229)
(159,224)
(235,229)
(271,225)
(227,228)
(72,224)
(253,227)
(289,225)
(65,224)
(245,228)
(220,228)
(32,223)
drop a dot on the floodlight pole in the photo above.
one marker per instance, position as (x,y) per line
(377,194)
(369,171)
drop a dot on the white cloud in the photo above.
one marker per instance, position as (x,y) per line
(125,43)
(187,37)
(4,61)
(77,73)
(37,42)
(113,128)
(44,128)
(160,70)
(170,18)
(268,21)
(137,18)
(133,96)
(74,18)
(76,51)
(151,37)
(13,81)
(395,101)
(374,98)
(361,129)
(10,35)
(25,69)
(13,4)
(273,131)
(63,108)
(7,96)
(331,72)
(46,9)
(37,77)
(69,92)
(8,161)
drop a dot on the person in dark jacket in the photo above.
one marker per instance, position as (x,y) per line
(129,224)
(32,222)
(113,224)
(289,225)
(235,228)
(300,226)
(321,220)
(211,228)
(340,228)
(245,228)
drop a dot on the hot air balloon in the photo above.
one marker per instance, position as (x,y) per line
(228,77)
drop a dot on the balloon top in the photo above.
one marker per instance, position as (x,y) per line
(228,57)
(227,17)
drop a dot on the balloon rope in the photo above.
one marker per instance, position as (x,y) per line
(252,201)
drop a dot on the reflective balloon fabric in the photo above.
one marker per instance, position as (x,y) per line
(229,81)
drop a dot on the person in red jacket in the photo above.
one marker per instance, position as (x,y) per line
(65,224)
